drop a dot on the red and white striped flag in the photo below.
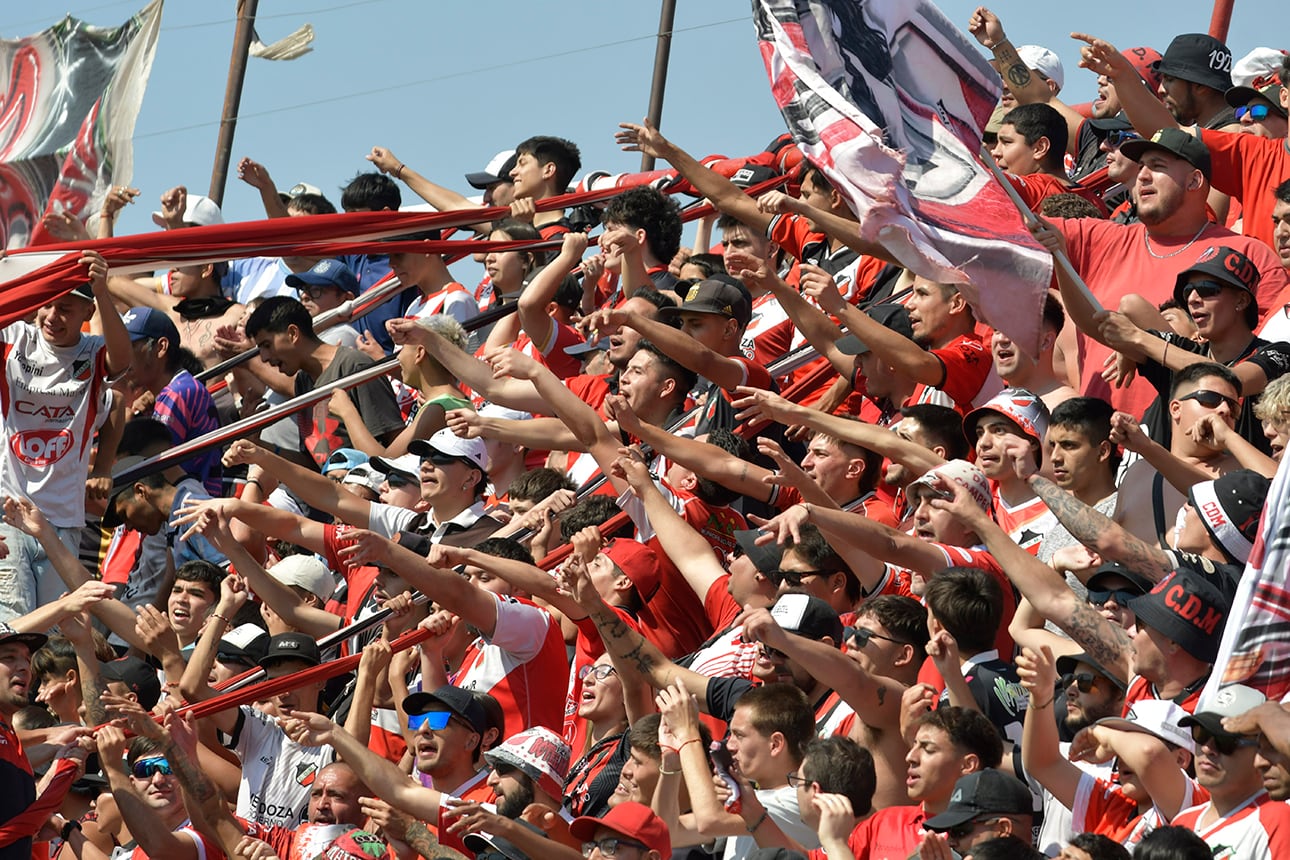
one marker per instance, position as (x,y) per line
(890,100)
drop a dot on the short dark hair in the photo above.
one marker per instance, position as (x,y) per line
(503,547)
(276,314)
(1099,847)
(536,484)
(815,550)
(709,491)
(685,378)
(1054,314)
(642,736)
(817,176)
(56,657)
(658,299)
(370,192)
(648,209)
(141,747)
(311,204)
(200,570)
(1194,373)
(1068,204)
(1036,120)
(841,766)
(904,617)
(1005,848)
(781,708)
(592,511)
(1282,191)
(1091,417)
(942,426)
(522,231)
(174,355)
(141,434)
(968,603)
(970,731)
(562,153)
(1172,843)
(872,459)
(711,264)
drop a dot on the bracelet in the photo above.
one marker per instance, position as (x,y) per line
(686,744)
(68,827)
(667,772)
(752,828)
(249,481)
(398,172)
(1035,707)
(666,748)
(221,618)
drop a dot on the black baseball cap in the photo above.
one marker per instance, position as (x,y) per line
(460,702)
(892,316)
(137,675)
(764,558)
(719,294)
(291,646)
(1226,264)
(1066,665)
(1173,141)
(984,792)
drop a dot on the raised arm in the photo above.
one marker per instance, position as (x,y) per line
(540,292)
(1040,745)
(146,826)
(313,488)
(679,346)
(443,199)
(819,331)
(120,353)
(1147,113)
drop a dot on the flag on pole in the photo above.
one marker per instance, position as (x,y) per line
(70,97)
(1255,648)
(890,100)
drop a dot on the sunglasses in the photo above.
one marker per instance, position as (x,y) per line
(793,578)
(1206,289)
(600,672)
(962,831)
(1119,595)
(147,768)
(1254,112)
(609,846)
(432,720)
(1225,744)
(441,459)
(1212,400)
(1115,138)
(315,291)
(862,635)
(395,480)
(1085,680)
(772,653)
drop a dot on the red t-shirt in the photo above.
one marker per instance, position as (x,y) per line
(555,358)
(591,389)
(1248,167)
(1141,690)
(674,619)
(1114,261)
(967,365)
(893,833)
(1034,187)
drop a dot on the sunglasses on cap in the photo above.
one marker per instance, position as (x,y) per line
(1254,112)
(793,578)
(1225,744)
(1120,596)
(609,846)
(147,768)
(432,720)
(1086,681)
(862,635)
(1206,289)
(1212,400)
(1115,138)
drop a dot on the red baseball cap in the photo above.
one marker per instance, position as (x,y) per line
(638,563)
(633,820)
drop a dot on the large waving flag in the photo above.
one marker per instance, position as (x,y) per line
(69,97)
(1255,650)
(890,100)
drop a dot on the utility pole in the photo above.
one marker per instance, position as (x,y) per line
(232,96)
(661,54)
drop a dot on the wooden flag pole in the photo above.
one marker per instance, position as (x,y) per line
(662,52)
(232,96)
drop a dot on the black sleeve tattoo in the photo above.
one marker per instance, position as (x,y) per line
(1089,628)
(427,845)
(1096,530)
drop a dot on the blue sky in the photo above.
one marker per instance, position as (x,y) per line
(446,85)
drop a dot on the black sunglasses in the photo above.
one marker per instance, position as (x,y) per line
(1212,400)
(1086,681)
(1206,289)
(441,459)
(395,480)
(1225,744)
(1119,595)
(862,635)
(1115,138)
(793,577)
(962,831)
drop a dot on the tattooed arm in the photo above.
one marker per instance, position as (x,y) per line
(427,844)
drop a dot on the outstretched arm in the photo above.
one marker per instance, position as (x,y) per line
(443,199)
(1147,113)
(534,319)
(120,353)
(312,488)
(1040,745)
(679,346)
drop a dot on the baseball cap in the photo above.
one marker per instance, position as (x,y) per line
(1268,89)
(1067,664)
(344,458)
(112,515)
(140,678)
(1173,141)
(461,702)
(363,475)
(83,290)
(448,443)
(1230,506)
(1159,717)
(1044,61)
(752,174)
(1143,60)
(407,465)
(764,558)
(1230,701)
(587,346)
(631,819)
(201,211)
(892,316)
(33,641)
(1187,609)
(326,273)
(291,646)
(1198,58)
(1017,405)
(144,323)
(959,472)
(302,188)
(716,295)
(488,846)
(497,170)
(245,644)
(1227,264)
(807,616)
(1137,582)
(980,793)
(305,571)
(638,563)
(538,753)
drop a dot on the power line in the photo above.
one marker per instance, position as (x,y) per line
(301,14)
(437,79)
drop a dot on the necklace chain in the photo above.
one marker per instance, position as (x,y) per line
(1146,243)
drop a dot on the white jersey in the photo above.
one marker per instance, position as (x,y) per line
(453,301)
(276,772)
(52,400)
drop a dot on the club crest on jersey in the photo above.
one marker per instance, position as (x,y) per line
(306,774)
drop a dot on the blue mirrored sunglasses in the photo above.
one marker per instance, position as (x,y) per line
(432,720)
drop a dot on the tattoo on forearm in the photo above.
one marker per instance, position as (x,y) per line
(191,775)
(613,628)
(1018,75)
(1089,525)
(424,843)
(1089,628)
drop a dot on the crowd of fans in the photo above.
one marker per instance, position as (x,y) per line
(764,550)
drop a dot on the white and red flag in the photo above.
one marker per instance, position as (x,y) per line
(890,100)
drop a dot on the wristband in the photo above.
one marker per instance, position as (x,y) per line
(68,827)
(398,172)
(221,618)
(752,828)
(1035,707)
(249,481)
(667,772)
